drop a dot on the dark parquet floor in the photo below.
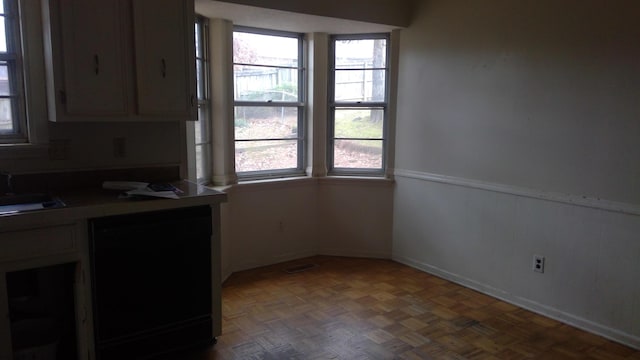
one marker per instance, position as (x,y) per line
(347,308)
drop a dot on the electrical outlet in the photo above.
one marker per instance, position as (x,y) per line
(119,147)
(538,263)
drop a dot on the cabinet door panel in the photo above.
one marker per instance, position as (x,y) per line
(165,59)
(94,58)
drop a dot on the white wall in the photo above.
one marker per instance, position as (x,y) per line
(355,217)
(502,105)
(269,223)
(265,223)
(540,94)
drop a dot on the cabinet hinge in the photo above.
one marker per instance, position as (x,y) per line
(63,97)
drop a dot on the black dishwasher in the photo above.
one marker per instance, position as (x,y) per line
(151,282)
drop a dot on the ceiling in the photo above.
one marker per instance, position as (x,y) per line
(283,20)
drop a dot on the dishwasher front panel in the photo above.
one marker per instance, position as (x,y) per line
(151,279)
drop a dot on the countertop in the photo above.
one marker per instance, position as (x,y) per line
(89,203)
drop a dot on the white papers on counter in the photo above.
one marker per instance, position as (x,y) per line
(137,189)
(150,193)
(124,185)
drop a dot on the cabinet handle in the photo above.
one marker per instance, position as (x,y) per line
(164,68)
(193,98)
(96,64)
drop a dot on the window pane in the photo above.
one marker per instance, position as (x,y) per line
(359,123)
(202,126)
(3,35)
(6,116)
(266,155)
(2,7)
(252,122)
(5,87)
(262,49)
(199,162)
(358,154)
(361,54)
(200,83)
(360,85)
(254,83)
(202,161)
(198,35)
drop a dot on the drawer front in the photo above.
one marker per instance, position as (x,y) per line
(24,244)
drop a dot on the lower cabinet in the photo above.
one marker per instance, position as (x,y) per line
(43,294)
(42,312)
(118,287)
(151,276)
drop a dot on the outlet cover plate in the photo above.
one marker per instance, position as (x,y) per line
(538,263)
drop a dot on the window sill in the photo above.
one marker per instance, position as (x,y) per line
(356,180)
(249,185)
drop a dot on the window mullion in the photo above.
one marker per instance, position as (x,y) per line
(268,104)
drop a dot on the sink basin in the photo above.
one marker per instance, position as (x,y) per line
(28,202)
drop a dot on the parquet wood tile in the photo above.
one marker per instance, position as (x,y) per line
(351,309)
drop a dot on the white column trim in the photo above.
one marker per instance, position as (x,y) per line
(223,145)
(317,103)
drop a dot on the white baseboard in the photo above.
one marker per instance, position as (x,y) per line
(567,318)
(225,275)
(301,255)
(354,253)
(273,260)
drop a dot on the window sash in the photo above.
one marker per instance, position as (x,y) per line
(203,147)
(299,139)
(13,60)
(342,105)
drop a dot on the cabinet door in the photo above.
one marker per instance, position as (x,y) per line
(165,59)
(93,57)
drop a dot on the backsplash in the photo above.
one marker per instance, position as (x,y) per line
(57,181)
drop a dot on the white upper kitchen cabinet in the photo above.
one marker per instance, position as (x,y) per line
(120,60)
(165,57)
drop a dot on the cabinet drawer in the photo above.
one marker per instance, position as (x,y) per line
(18,245)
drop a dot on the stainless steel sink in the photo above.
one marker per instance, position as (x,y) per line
(28,202)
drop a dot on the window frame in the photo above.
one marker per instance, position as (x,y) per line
(13,58)
(300,105)
(334,105)
(203,102)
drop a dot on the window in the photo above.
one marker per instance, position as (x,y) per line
(358,102)
(203,125)
(269,103)
(12,120)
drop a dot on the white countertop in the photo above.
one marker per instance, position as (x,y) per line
(91,203)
